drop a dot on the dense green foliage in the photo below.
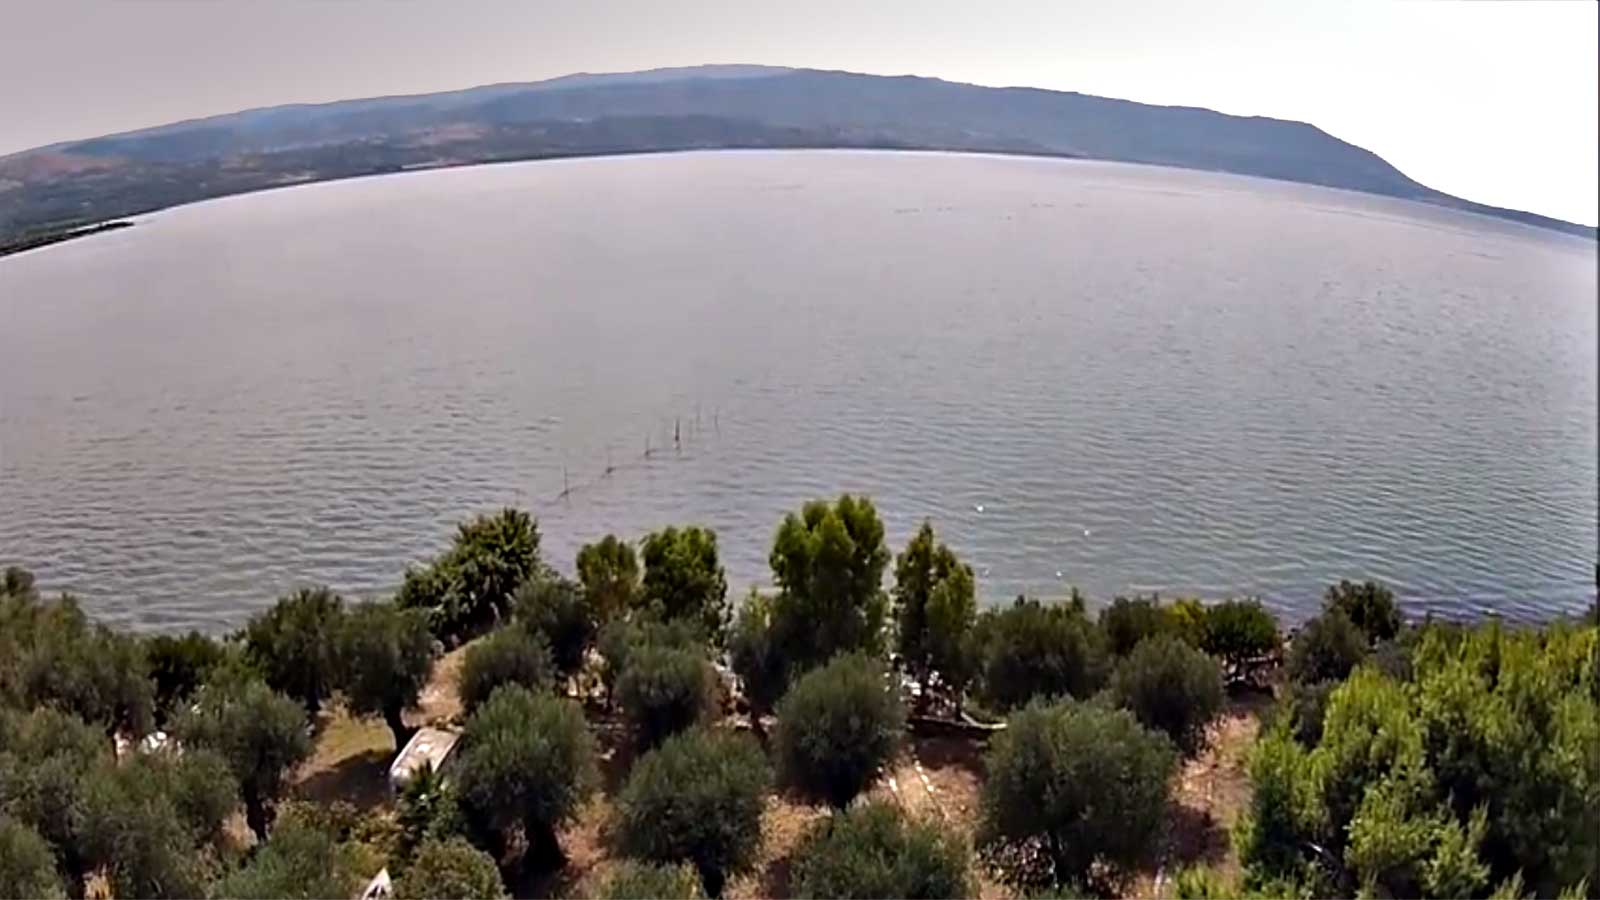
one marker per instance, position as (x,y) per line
(51,654)
(179,665)
(1030,650)
(651,881)
(507,656)
(696,799)
(1071,784)
(449,869)
(757,656)
(1326,649)
(666,690)
(1369,605)
(1125,622)
(470,586)
(526,762)
(837,727)
(935,603)
(683,579)
(557,610)
(1239,631)
(1170,687)
(623,637)
(299,862)
(261,734)
(874,851)
(27,870)
(828,563)
(608,569)
(294,645)
(385,658)
(1480,768)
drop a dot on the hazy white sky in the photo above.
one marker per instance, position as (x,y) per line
(1493,101)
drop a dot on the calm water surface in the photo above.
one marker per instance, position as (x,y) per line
(1146,379)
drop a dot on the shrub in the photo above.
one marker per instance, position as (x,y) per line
(386,657)
(935,602)
(428,809)
(1304,706)
(261,734)
(645,881)
(45,760)
(1238,631)
(556,609)
(1124,623)
(1370,607)
(1326,649)
(506,656)
(836,727)
(1075,784)
(697,799)
(684,580)
(828,563)
(609,572)
(1171,687)
(1030,650)
(873,851)
(131,831)
(449,870)
(294,645)
(27,869)
(666,690)
(526,762)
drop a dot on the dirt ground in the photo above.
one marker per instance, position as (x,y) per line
(934,777)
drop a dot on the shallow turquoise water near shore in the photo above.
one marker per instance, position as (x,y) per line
(1137,378)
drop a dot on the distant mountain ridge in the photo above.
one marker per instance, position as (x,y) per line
(700,107)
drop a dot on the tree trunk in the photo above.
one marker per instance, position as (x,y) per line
(255,814)
(397,724)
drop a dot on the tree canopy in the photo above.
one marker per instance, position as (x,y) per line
(260,733)
(683,578)
(837,727)
(608,569)
(386,657)
(935,602)
(294,645)
(828,562)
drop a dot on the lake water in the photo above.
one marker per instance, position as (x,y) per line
(1119,377)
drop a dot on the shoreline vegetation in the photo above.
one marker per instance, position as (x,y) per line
(44,237)
(861,730)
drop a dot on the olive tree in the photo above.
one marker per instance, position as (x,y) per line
(837,727)
(556,609)
(507,656)
(873,850)
(294,645)
(52,655)
(666,690)
(527,761)
(697,799)
(1369,605)
(260,733)
(683,578)
(935,601)
(631,880)
(300,862)
(27,868)
(1170,687)
(1075,784)
(179,665)
(757,657)
(1239,631)
(1326,649)
(828,562)
(386,654)
(450,869)
(608,569)
(1127,621)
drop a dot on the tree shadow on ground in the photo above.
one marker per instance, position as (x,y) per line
(951,752)
(361,780)
(1196,837)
